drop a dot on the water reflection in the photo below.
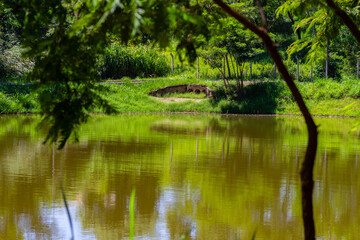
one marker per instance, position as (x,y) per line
(214,177)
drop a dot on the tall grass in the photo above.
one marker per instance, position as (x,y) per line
(120,61)
(322,89)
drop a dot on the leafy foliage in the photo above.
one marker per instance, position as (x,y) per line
(66,37)
(120,61)
(318,26)
(11,62)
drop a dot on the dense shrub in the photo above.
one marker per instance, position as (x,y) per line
(120,61)
(12,64)
(18,98)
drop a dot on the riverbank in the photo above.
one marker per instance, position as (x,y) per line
(324,98)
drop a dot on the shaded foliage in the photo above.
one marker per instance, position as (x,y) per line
(260,98)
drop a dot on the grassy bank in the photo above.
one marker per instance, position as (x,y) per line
(323,98)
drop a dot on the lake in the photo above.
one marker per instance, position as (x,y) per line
(205,176)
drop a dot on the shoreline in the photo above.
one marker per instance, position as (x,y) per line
(199,113)
(325,100)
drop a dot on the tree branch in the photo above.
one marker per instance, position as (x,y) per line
(306,173)
(293,22)
(345,18)
(262,14)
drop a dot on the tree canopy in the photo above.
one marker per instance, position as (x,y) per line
(65,39)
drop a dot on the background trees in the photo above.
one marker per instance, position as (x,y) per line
(324,38)
(11,62)
(65,39)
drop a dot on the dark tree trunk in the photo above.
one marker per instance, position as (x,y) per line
(297,68)
(250,70)
(293,22)
(224,73)
(327,59)
(228,66)
(306,173)
(357,67)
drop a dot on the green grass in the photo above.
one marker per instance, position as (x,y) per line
(329,107)
(323,97)
(184,95)
(134,97)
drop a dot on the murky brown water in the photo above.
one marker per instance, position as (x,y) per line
(214,177)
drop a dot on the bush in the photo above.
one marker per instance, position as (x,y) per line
(120,61)
(12,64)
(17,99)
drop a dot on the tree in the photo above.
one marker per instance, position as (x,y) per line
(231,41)
(318,27)
(321,26)
(11,63)
(241,44)
(66,37)
(307,182)
(349,49)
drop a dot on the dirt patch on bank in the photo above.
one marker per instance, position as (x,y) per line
(176,99)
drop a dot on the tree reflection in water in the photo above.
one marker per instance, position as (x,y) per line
(219,177)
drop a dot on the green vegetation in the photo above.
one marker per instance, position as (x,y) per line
(184,95)
(99,51)
(18,99)
(119,61)
(70,46)
(324,97)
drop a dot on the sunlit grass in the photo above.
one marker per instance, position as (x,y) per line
(184,95)
(324,97)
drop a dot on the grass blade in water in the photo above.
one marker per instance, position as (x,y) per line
(183,237)
(132,214)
